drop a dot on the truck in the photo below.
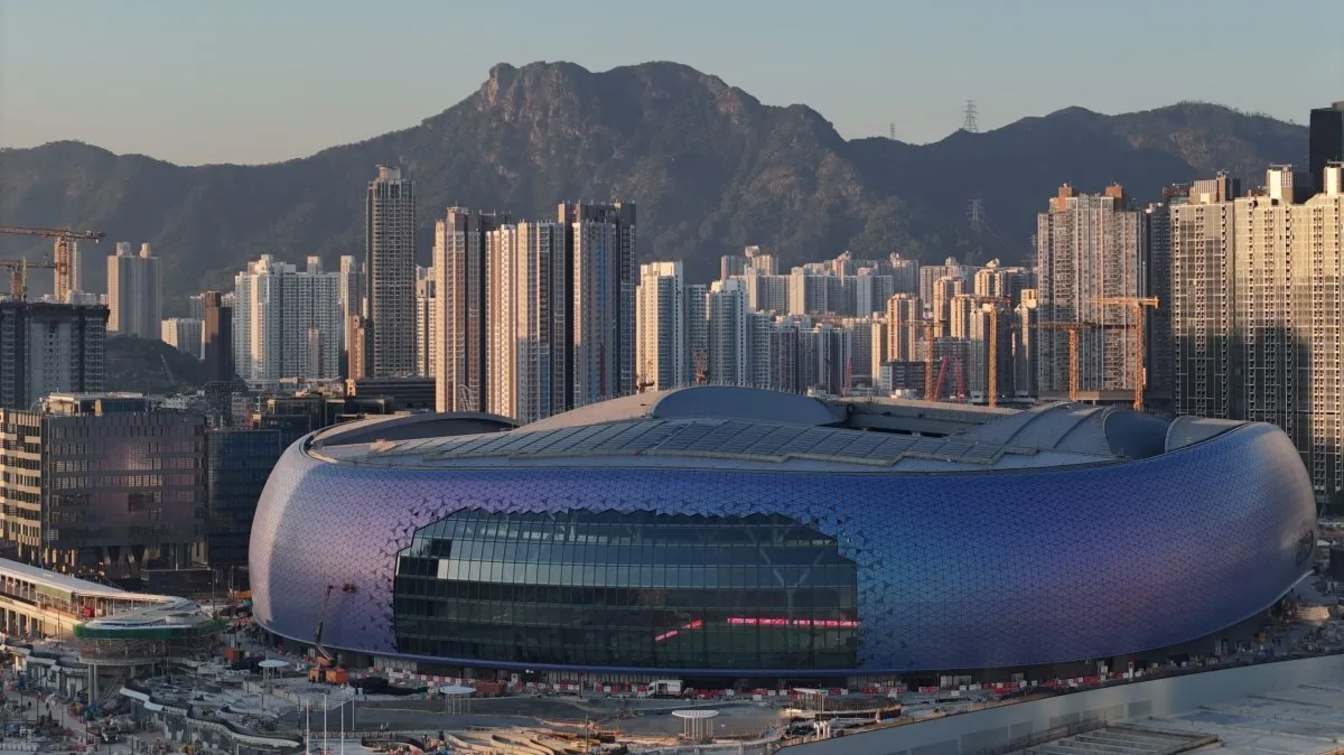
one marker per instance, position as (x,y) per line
(665,688)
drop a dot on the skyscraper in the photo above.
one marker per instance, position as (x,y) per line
(660,339)
(1201,244)
(389,223)
(1290,316)
(426,324)
(287,323)
(47,348)
(540,343)
(352,286)
(134,292)
(601,247)
(1326,141)
(461,286)
(1087,248)
(217,337)
(728,347)
(1257,313)
(697,332)
(903,315)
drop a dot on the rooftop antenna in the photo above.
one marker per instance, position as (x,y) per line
(969,123)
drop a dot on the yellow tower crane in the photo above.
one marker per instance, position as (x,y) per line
(62,258)
(1072,328)
(1138,306)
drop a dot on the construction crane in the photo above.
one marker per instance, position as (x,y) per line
(1073,328)
(62,257)
(1137,305)
(18,275)
(991,306)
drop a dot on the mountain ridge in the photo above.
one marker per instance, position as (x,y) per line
(711,167)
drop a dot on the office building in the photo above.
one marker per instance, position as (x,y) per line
(238,461)
(183,334)
(835,524)
(134,292)
(49,348)
(287,322)
(389,258)
(217,336)
(1326,142)
(661,351)
(1087,250)
(103,482)
(601,244)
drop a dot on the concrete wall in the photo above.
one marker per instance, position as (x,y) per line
(985,729)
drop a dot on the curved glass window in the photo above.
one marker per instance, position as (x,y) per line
(627,589)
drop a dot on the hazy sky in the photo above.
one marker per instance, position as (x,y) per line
(244,81)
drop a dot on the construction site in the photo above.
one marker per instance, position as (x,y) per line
(95,668)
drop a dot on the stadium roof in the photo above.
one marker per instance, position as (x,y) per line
(746,428)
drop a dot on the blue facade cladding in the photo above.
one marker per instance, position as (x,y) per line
(955,570)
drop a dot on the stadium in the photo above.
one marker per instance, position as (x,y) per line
(735,532)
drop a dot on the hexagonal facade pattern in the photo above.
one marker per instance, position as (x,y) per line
(955,570)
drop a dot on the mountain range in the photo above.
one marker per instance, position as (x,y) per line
(710,167)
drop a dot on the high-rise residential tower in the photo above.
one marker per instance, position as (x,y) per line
(903,315)
(134,292)
(183,334)
(728,347)
(287,323)
(1087,250)
(539,345)
(426,324)
(461,288)
(389,223)
(601,247)
(1200,247)
(660,327)
(352,288)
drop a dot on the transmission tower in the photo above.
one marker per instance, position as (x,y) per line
(969,124)
(975,213)
(891,127)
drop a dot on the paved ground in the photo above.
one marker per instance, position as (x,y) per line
(1307,719)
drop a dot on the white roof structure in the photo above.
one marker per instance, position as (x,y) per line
(74,585)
